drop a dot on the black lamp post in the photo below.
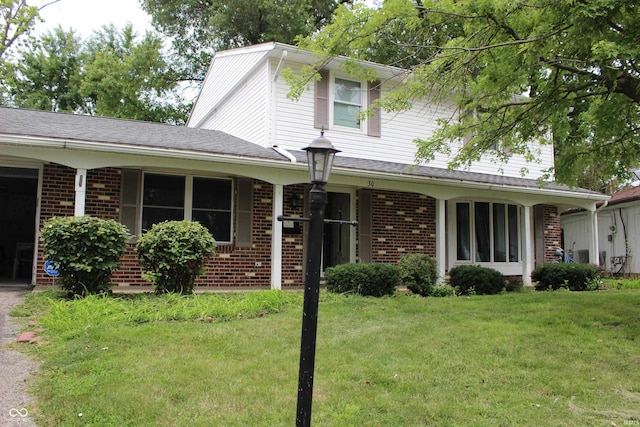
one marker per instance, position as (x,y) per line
(320,156)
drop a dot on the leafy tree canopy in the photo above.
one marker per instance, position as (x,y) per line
(111,74)
(519,72)
(199,27)
(16,19)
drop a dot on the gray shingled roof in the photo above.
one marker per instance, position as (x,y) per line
(444,174)
(76,127)
(44,124)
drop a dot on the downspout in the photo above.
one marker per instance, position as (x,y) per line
(276,74)
(596,238)
(285,153)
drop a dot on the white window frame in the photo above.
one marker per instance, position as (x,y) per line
(472,231)
(364,96)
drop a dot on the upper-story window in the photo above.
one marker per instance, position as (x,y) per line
(340,102)
(347,103)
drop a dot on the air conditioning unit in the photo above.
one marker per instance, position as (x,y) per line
(582,256)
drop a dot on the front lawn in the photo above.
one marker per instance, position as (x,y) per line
(532,358)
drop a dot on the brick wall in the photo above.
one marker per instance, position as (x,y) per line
(401,223)
(552,232)
(58,198)
(292,242)
(232,265)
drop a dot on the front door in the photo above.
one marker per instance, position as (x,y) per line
(336,247)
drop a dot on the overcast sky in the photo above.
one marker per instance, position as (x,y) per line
(84,16)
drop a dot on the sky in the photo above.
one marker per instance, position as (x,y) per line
(84,16)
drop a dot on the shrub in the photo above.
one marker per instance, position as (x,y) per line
(475,279)
(444,290)
(172,255)
(419,273)
(572,276)
(86,249)
(514,284)
(374,280)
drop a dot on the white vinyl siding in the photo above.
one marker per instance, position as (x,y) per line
(245,113)
(259,111)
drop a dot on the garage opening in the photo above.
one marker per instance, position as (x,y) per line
(18,199)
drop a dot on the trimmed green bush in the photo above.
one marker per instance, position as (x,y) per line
(475,279)
(373,279)
(572,276)
(419,273)
(172,255)
(87,250)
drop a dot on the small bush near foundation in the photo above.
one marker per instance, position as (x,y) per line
(172,255)
(87,250)
(444,290)
(366,279)
(419,273)
(572,276)
(475,279)
(514,284)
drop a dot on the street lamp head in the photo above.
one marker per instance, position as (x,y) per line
(320,156)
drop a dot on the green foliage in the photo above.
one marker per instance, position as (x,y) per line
(87,250)
(419,273)
(475,279)
(172,254)
(197,29)
(577,62)
(444,290)
(366,279)
(572,276)
(17,18)
(103,355)
(60,72)
(514,284)
(48,75)
(621,283)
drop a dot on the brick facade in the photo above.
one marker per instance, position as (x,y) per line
(552,232)
(401,223)
(232,266)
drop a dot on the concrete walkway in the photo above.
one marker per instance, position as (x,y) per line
(15,367)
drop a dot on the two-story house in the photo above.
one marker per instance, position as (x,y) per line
(238,165)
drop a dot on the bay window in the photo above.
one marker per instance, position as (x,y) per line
(487,232)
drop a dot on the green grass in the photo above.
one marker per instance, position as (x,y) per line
(531,358)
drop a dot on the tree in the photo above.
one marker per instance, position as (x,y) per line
(16,19)
(198,28)
(128,79)
(48,74)
(111,74)
(519,73)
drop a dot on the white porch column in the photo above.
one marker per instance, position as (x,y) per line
(594,244)
(441,231)
(81,192)
(276,238)
(527,247)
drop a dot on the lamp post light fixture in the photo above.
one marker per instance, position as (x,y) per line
(320,155)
